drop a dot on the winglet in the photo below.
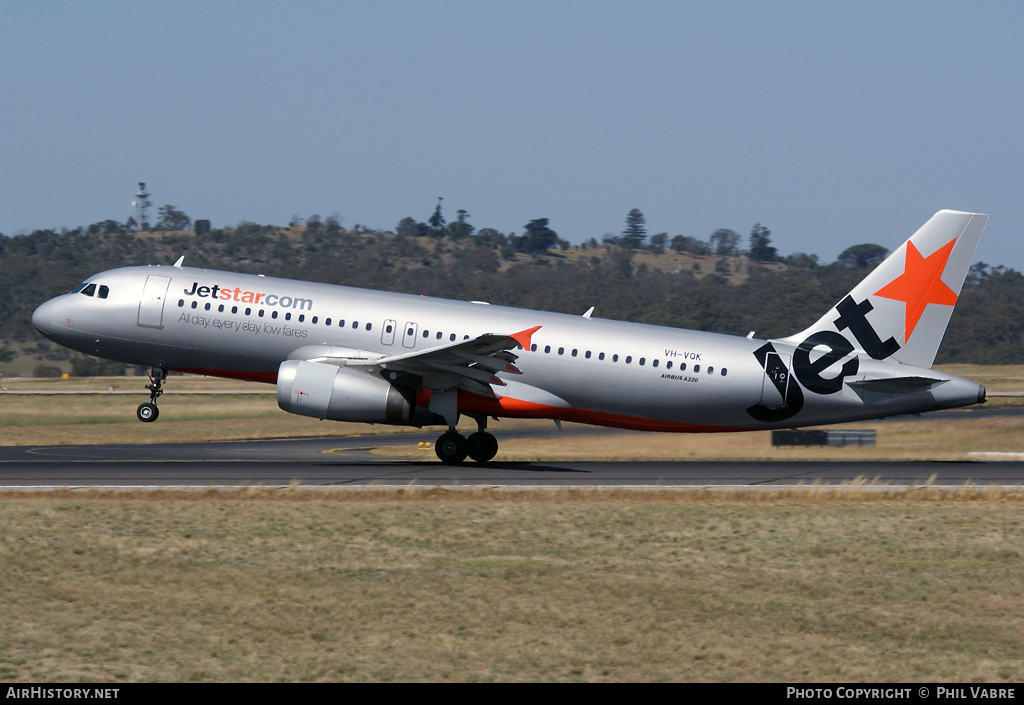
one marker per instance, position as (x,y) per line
(523,337)
(178,263)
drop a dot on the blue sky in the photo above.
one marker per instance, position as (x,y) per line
(832,124)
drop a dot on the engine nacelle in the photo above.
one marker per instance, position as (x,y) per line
(336,393)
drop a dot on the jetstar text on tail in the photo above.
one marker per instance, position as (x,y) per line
(248,297)
(852,316)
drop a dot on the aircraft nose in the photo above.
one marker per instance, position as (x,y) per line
(42,318)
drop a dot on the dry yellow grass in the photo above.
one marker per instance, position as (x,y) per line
(220,414)
(790,585)
(479,586)
(935,439)
(84,411)
(996,378)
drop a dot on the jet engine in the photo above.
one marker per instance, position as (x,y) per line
(326,391)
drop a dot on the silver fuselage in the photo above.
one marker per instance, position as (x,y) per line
(591,370)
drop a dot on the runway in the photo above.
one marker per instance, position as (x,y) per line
(351,463)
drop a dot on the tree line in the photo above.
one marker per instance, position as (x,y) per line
(712,285)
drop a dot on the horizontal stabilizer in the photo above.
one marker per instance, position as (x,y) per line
(896,385)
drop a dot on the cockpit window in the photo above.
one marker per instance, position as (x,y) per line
(89,289)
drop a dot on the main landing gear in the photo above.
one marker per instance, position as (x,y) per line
(452,447)
(148,412)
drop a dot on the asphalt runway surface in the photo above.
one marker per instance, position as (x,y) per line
(351,462)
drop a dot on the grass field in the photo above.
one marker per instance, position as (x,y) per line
(479,586)
(428,585)
(102,410)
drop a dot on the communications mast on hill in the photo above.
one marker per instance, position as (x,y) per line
(142,204)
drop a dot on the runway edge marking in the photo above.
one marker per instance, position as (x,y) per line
(843,487)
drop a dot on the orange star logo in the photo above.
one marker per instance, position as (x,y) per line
(921,284)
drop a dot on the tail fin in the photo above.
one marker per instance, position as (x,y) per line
(901,309)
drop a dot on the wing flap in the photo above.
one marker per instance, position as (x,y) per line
(499,362)
(471,365)
(474,373)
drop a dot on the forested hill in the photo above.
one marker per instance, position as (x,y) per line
(622,279)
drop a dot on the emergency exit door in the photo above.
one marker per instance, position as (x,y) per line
(151,308)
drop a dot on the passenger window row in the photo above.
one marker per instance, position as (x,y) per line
(709,369)
(273,314)
(301,318)
(438,335)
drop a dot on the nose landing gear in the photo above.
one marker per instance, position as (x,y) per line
(148,411)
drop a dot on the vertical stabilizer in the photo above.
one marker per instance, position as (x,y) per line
(900,311)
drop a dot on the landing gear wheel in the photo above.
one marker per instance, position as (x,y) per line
(147,412)
(451,448)
(482,446)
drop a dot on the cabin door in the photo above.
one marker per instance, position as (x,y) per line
(151,307)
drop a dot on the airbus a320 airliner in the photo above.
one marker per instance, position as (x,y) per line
(350,354)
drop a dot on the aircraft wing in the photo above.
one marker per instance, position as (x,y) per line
(471,365)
